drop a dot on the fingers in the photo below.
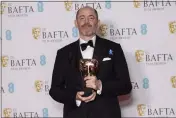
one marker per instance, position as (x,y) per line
(91,85)
(90,78)
(89,98)
(92,97)
(87,78)
(80,93)
(90,82)
(86,99)
(79,96)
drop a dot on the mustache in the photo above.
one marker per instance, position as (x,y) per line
(86,25)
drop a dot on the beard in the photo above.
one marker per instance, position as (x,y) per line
(87,33)
(87,30)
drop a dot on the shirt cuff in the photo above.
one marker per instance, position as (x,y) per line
(78,102)
(99,91)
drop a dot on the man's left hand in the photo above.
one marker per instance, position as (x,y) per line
(92,82)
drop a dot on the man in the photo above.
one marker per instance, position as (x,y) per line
(112,79)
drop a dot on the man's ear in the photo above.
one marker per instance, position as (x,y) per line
(98,27)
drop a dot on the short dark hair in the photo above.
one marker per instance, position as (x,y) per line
(96,13)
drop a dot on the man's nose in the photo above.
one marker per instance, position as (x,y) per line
(87,20)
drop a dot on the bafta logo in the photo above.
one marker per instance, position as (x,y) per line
(68,5)
(38,85)
(3,6)
(173,81)
(141,109)
(7,112)
(36,32)
(172,27)
(136,4)
(4,61)
(88,67)
(103,30)
(139,55)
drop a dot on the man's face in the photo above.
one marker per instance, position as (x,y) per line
(87,22)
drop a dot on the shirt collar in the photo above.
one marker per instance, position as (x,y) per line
(84,41)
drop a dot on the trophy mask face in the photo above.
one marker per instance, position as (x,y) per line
(88,67)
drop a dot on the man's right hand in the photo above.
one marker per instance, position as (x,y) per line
(85,99)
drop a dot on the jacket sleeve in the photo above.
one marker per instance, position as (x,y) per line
(58,91)
(121,84)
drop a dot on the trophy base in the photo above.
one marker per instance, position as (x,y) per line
(87,92)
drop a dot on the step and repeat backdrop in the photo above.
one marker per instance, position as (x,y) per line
(32,32)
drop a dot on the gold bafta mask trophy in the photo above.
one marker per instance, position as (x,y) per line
(88,67)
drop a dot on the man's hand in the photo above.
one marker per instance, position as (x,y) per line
(85,99)
(92,82)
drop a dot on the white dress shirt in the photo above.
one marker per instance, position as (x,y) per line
(88,54)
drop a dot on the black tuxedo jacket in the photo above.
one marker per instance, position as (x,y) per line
(67,81)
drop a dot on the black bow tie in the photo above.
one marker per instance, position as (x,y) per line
(84,45)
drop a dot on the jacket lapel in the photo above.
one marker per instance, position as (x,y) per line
(75,55)
(78,54)
(99,51)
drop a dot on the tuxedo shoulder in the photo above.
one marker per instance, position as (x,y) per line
(66,48)
(109,42)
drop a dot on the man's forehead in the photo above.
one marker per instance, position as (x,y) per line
(86,9)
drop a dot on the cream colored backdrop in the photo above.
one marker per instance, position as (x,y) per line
(32,32)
